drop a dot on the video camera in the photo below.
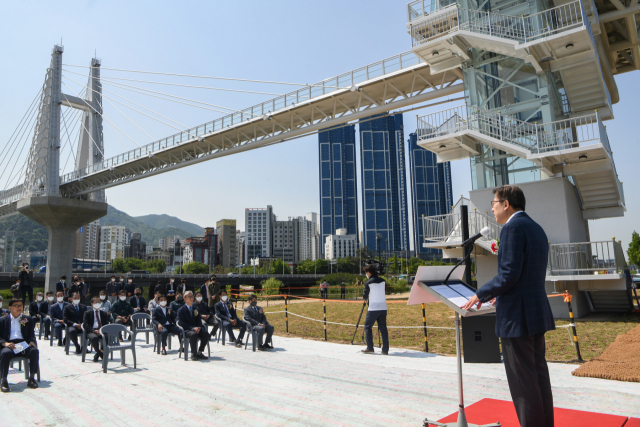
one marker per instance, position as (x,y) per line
(379,265)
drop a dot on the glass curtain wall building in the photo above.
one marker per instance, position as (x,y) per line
(431,192)
(338,182)
(384,188)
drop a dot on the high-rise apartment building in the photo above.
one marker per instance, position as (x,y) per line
(308,228)
(227,245)
(202,249)
(240,239)
(341,245)
(136,247)
(286,240)
(338,181)
(259,232)
(113,239)
(87,241)
(384,188)
(431,192)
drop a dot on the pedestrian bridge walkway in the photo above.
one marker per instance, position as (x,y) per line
(300,383)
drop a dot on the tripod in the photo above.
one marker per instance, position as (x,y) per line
(356,331)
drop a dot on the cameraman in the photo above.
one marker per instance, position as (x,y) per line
(377,312)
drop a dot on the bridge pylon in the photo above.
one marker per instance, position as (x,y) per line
(41,200)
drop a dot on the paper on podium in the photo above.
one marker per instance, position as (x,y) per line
(419,295)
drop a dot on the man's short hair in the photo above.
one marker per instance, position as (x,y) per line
(197,293)
(74,294)
(103,292)
(14,301)
(95,299)
(207,280)
(252,296)
(371,269)
(113,277)
(222,291)
(1,299)
(49,293)
(63,277)
(123,292)
(213,276)
(161,296)
(513,194)
(138,289)
(39,293)
(188,293)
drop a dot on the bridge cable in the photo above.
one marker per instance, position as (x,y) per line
(177,84)
(68,134)
(84,127)
(21,120)
(71,146)
(207,77)
(24,144)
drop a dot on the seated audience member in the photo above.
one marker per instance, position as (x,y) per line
(56,314)
(165,319)
(17,329)
(227,313)
(105,305)
(122,311)
(154,303)
(254,314)
(138,302)
(190,320)
(39,311)
(73,316)
(94,319)
(206,313)
(130,287)
(179,302)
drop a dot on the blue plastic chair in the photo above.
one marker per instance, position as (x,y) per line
(111,342)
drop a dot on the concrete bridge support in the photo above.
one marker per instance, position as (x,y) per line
(62,217)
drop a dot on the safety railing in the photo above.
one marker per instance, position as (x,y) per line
(523,29)
(448,228)
(586,258)
(307,93)
(419,8)
(11,195)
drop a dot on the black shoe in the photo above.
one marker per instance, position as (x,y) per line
(60,344)
(201,355)
(4,386)
(194,357)
(268,346)
(32,383)
(78,350)
(96,358)
(385,353)
(261,348)
(238,344)
(367,351)
(164,352)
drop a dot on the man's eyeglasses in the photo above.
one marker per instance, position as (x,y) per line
(493,202)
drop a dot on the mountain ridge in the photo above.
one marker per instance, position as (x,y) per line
(161,221)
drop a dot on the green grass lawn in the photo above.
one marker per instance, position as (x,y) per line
(593,337)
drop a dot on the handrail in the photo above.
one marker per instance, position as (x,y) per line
(448,227)
(586,258)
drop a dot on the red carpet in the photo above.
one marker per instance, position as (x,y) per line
(491,410)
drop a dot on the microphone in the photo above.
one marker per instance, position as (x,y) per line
(484,232)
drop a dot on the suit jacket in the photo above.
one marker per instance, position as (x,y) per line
(203,308)
(159,317)
(74,288)
(181,288)
(25,279)
(72,316)
(522,306)
(84,289)
(26,328)
(62,287)
(89,318)
(43,311)
(222,313)
(134,303)
(214,288)
(113,288)
(130,288)
(187,320)
(55,312)
(169,287)
(255,315)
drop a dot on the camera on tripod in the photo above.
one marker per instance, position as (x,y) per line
(378,265)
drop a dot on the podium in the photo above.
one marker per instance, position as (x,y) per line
(444,284)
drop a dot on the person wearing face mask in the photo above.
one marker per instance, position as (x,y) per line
(374,294)
(170,289)
(62,286)
(105,305)
(39,311)
(56,313)
(210,292)
(154,303)
(165,320)
(122,310)
(130,287)
(73,317)
(254,314)
(138,302)
(26,283)
(158,288)
(17,328)
(191,322)
(75,286)
(84,291)
(94,319)
(227,313)
(182,287)
(113,288)
(179,302)
(205,312)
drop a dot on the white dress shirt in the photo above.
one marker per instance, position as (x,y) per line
(514,214)
(96,315)
(16,333)
(164,311)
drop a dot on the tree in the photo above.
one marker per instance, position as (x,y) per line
(633,253)
(278,267)
(118,265)
(195,268)
(133,264)
(155,266)
(271,286)
(346,265)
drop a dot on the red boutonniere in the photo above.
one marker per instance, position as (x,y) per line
(169,311)
(495,245)
(195,312)
(261,311)
(24,321)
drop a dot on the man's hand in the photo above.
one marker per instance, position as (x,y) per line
(473,301)
(260,324)
(96,331)
(197,330)
(78,327)
(10,345)
(33,344)
(233,322)
(61,321)
(205,316)
(493,302)
(160,328)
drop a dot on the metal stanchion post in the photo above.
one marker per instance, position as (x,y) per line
(567,299)
(286,313)
(424,324)
(358,323)
(324,309)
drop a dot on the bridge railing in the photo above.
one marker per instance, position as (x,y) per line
(259,111)
(11,195)
(586,258)
(445,228)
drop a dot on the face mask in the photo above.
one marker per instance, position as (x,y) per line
(60,299)
(61,281)
(254,303)
(50,299)
(130,281)
(76,301)
(103,297)
(137,294)
(121,279)
(123,298)
(163,303)
(39,299)
(171,280)
(224,298)
(113,280)
(97,306)
(199,299)
(179,298)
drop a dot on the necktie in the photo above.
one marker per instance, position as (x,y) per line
(77,311)
(97,314)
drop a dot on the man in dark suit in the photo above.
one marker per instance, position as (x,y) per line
(62,286)
(26,283)
(75,286)
(227,313)
(17,328)
(210,291)
(113,288)
(56,313)
(138,302)
(523,313)
(130,287)
(73,317)
(255,315)
(159,288)
(182,287)
(39,311)
(84,291)
(165,320)
(206,313)
(170,289)
(191,322)
(93,320)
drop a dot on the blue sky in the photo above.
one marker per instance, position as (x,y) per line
(286,41)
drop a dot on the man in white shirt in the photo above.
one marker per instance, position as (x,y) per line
(94,319)
(16,329)
(374,293)
(165,320)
